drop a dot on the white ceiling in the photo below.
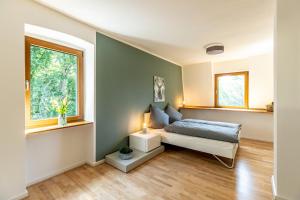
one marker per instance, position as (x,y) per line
(178,30)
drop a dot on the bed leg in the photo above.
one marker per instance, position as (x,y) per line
(231,166)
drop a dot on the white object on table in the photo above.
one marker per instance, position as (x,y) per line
(144,142)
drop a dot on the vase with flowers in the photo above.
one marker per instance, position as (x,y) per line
(61,108)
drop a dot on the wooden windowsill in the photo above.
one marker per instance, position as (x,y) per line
(255,110)
(39,130)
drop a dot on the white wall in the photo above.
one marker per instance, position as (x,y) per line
(287,98)
(197,84)
(258,126)
(260,77)
(12,138)
(260,80)
(54,152)
(13,15)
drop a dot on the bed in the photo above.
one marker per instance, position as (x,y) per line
(208,140)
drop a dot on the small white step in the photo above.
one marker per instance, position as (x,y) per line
(138,159)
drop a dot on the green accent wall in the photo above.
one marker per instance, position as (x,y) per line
(124,90)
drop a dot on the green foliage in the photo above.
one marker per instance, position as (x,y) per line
(53,77)
(231,91)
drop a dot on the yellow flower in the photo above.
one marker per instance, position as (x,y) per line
(65,101)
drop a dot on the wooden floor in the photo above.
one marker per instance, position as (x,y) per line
(176,174)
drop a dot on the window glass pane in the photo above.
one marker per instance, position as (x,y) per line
(53,77)
(231,90)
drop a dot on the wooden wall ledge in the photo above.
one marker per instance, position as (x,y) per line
(40,130)
(255,110)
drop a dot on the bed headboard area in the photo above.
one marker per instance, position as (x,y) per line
(125,89)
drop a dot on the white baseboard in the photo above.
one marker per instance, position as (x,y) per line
(20,196)
(94,164)
(258,139)
(279,198)
(55,173)
(274,190)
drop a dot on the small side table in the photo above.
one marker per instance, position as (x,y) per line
(145,146)
(144,142)
(138,159)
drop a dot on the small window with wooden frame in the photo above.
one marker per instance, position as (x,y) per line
(53,74)
(231,90)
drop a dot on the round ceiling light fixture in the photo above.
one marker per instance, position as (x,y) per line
(214,48)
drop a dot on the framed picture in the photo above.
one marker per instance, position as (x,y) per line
(159,89)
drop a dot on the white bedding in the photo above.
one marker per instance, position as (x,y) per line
(215,147)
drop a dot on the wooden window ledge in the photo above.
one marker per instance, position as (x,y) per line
(39,130)
(255,110)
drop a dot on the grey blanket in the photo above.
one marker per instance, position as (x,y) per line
(221,131)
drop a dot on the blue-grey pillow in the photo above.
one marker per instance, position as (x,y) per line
(158,118)
(174,115)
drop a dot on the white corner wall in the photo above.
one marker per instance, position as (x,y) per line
(26,160)
(198,80)
(197,84)
(260,77)
(55,152)
(287,98)
(12,138)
